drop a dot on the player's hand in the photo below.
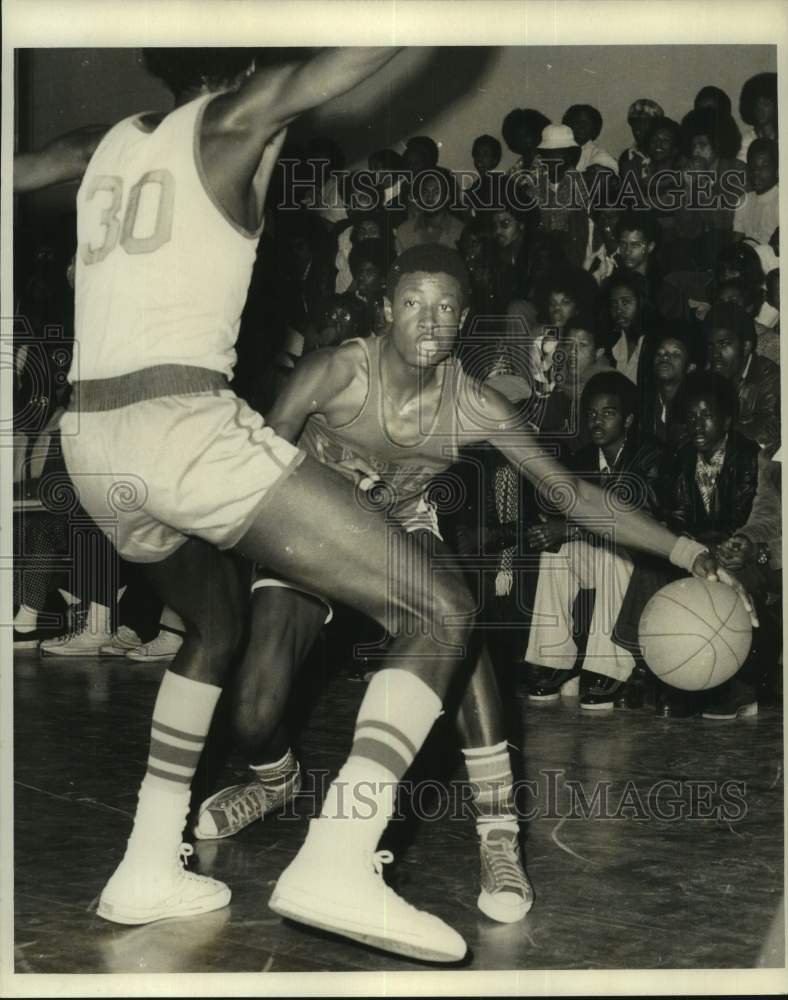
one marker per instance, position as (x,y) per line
(361,472)
(544,536)
(707,568)
(735,553)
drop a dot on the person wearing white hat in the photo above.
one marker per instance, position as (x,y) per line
(560,193)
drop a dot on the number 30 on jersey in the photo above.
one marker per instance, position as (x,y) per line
(146,223)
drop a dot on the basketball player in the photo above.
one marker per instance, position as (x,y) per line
(179,471)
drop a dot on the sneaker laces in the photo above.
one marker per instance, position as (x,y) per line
(504,860)
(245,806)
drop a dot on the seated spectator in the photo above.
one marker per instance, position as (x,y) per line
(484,192)
(567,293)
(429,219)
(340,318)
(558,186)
(630,322)
(369,265)
(388,168)
(714,98)
(365,224)
(639,117)
(663,147)
(511,231)
(739,261)
(522,131)
(759,214)
(754,554)
(578,356)
(730,346)
(586,124)
(480,255)
(752,301)
(758,110)
(709,145)
(572,559)
(715,475)
(306,267)
(673,361)
(637,235)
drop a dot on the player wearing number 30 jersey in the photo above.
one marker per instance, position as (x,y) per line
(158,253)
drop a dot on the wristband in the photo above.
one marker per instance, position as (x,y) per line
(685,552)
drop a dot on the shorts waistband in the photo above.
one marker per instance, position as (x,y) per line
(98,394)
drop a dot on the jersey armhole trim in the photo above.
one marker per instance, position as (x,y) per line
(361,341)
(250,234)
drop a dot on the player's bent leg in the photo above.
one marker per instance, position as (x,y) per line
(506,893)
(151,882)
(315,533)
(284,625)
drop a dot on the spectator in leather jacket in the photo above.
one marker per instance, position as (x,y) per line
(730,347)
(715,475)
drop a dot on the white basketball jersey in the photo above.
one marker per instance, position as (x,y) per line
(162,271)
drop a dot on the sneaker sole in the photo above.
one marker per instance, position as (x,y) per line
(63,652)
(26,643)
(206,904)
(503,913)
(121,653)
(554,696)
(744,712)
(141,658)
(334,923)
(602,706)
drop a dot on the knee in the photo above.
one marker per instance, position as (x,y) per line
(453,610)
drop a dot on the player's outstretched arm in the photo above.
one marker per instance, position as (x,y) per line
(490,415)
(64,159)
(273,96)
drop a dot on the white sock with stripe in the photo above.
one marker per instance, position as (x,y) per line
(395,718)
(490,775)
(181,719)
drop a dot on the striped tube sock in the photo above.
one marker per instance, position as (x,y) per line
(490,775)
(395,718)
(181,719)
(277,773)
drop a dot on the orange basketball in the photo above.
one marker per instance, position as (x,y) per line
(695,634)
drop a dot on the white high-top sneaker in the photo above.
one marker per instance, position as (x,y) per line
(136,894)
(121,642)
(339,888)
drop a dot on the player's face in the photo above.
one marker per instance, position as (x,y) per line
(634,249)
(426,314)
(726,354)
(606,421)
(560,308)
(506,229)
(623,308)
(671,360)
(705,424)
(761,172)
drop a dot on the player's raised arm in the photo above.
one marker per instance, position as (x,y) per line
(491,416)
(273,96)
(64,159)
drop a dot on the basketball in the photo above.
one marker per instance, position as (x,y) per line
(695,634)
